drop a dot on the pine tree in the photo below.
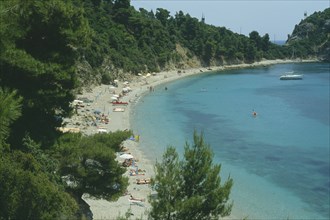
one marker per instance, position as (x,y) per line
(191,188)
(167,183)
(10,110)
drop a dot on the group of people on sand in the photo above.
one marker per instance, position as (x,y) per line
(143,181)
(133,170)
(136,172)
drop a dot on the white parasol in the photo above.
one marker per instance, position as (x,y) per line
(101,130)
(126,156)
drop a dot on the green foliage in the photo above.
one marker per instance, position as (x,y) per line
(130,40)
(311,36)
(10,110)
(88,164)
(141,41)
(162,15)
(106,79)
(167,183)
(190,189)
(39,42)
(26,192)
(49,165)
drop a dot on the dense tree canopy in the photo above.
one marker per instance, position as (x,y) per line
(38,41)
(10,110)
(27,193)
(142,41)
(88,164)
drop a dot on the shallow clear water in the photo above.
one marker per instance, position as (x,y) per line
(279,160)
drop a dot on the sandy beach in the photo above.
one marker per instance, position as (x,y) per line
(96,113)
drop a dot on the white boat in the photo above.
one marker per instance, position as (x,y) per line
(291,76)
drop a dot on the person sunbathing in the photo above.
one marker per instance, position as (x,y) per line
(127,162)
(134,173)
(143,181)
(136,199)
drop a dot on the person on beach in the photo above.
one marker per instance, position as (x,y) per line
(143,181)
(136,199)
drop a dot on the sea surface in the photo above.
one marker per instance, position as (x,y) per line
(279,160)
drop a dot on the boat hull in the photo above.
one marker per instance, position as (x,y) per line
(291,77)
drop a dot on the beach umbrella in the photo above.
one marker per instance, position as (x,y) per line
(126,156)
(78,101)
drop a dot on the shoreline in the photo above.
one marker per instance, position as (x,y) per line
(140,85)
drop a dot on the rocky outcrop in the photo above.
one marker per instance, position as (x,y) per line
(87,76)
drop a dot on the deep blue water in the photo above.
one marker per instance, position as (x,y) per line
(279,160)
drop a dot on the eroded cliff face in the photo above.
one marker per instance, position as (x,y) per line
(88,77)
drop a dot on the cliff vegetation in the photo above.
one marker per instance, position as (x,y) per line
(311,36)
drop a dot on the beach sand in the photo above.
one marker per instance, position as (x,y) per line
(100,102)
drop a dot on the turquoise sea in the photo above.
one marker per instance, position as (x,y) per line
(279,160)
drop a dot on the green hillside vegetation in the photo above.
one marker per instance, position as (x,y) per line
(311,37)
(49,49)
(146,41)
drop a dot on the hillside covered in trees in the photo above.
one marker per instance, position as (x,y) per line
(136,40)
(51,48)
(312,35)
